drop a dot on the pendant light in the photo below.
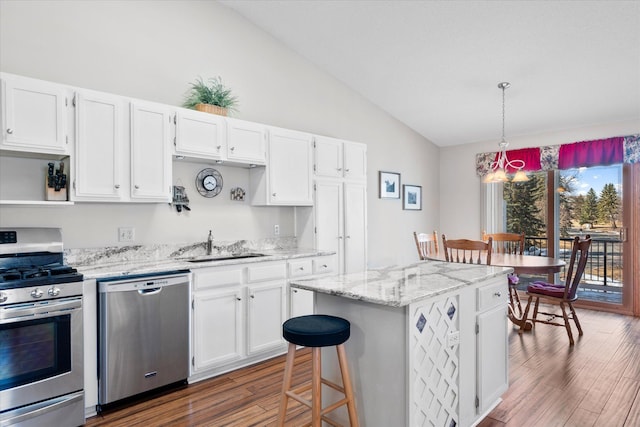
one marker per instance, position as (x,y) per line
(498,168)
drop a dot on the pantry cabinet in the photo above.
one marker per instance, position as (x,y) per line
(34,115)
(340,212)
(335,158)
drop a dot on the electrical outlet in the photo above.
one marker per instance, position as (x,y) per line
(126,234)
(453,338)
(276,230)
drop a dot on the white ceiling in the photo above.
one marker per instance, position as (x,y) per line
(435,65)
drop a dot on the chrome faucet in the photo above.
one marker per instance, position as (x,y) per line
(209,243)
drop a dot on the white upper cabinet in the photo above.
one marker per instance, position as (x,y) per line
(150,152)
(99,146)
(335,158)
(113,164)
(287,179)
(246,142)
(355,160)
(200,135)
(34,115)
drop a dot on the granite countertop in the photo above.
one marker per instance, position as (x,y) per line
(102,267)
(398,286)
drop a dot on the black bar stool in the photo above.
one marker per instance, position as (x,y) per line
(317,331)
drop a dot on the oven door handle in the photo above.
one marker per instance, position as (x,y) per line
(39,310)
(28,413)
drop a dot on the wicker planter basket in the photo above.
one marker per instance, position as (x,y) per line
(212,109)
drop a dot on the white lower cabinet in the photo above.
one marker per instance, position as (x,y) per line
(237,316)
(492,345)
(265,315)
(218,319)
(302,301)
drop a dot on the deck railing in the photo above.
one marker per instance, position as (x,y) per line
(604,266)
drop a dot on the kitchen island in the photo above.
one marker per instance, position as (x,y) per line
(428,342)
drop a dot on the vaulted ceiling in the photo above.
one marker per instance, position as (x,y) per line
(435,65)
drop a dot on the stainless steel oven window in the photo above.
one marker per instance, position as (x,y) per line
(34,350)
(66,359)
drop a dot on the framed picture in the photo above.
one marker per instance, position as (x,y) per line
(412,197)
(389,185)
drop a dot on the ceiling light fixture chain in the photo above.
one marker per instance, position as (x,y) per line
(498,169)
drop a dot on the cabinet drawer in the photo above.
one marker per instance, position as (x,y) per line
(493,295)
(324,265)
(263,272)
(217,277)
(300,268)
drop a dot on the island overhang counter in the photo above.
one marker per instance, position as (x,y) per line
(428,342)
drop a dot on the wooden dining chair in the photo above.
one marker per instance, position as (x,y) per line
(506,243)
(562,295)
(509,243)
(427,244)
(472,251)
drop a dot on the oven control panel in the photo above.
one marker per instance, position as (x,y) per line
(7,237)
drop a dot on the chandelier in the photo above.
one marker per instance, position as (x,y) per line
(498,168)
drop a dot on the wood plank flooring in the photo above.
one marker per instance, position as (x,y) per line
(594,383)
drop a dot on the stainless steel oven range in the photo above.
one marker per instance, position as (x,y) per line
(41,353)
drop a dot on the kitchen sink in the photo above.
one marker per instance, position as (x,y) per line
(207,258)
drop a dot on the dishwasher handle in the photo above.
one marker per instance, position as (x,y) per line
(149,291)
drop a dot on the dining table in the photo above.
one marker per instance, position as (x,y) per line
(521,264)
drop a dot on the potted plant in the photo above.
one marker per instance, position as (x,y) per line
(211,97)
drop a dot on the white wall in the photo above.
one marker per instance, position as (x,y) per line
(460,186)
(152,50)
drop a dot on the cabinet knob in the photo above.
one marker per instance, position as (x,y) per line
(253,296)
(301,268)
(232,148)
(338,169)
(274,194)
(324,265)
(218,147)
(340,237)
(295,291)
(9,131)
(137,187)
(239,299)
(117,186)
(347,170)
(348,237)
(497,294)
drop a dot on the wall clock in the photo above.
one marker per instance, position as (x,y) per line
(209,182)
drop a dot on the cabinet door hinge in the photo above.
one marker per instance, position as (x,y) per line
(73,101)
(477,329)
(193,304)
(314,168)
(193,363)
(477,402)
(315,187)
(66,101)
(174,141)
(67,138)
(74,184)
(175,119)
(315,230)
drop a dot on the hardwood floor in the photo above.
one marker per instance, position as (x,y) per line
(594,383)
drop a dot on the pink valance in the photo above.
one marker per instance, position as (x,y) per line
(599,152)
(530,157)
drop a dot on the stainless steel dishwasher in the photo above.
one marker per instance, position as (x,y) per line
(143,334)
